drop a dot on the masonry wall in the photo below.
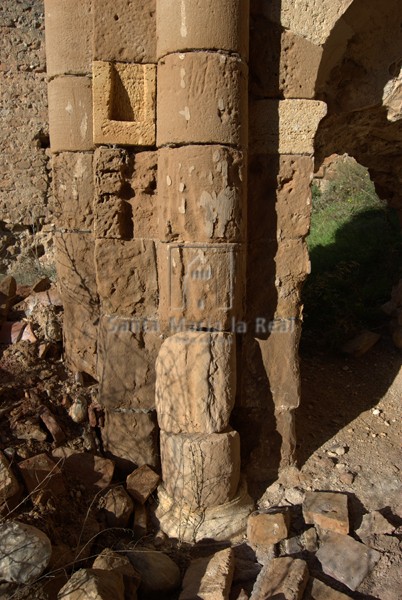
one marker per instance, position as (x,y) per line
(25,174)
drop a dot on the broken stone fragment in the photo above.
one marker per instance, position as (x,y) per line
(284,578)
(209,578)
(93,583)
(320,591)
(42,474)
(11,332)
(265,529)
(327,510)
(346,560)
(159,573)
(361,344)
(141,483)
(93,471)
(117,507)
(140,525)
(8,288)
(373,524)
(51,423)
(9,485)
(25,552)
(108,560)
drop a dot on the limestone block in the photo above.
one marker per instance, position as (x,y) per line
(264,529)
(125,31)
(202,97)
(126,363)
(200,284)
(284,126)
(124,103)
(70,113)
(320,591)
(346,560)
(117,507)
(195,26)
(282,63)
(73,189)
(312,19)
(209,578)
(224,522)
(281,578)
(126,276)
(9,485)
(196,382)
(126,200)
(93,583)
(130,438)
(141,483)
(201,470)
(68,46)
(40,473)
(202,193)
(328,510)
(76,278)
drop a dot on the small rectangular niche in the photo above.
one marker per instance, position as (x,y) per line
(124,103)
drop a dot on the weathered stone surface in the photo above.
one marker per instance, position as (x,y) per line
(264,529)
(108,560)
(140,525)
(68,47)
(201,470)
(224,522)
(196,382)
(8,287)
(320,591)
(42,474)
(141,483)
(70,113)
(361,344)
(95,472)
(74,190)
(95,584)
(124,103)
(126,363)
(159,574)
(52,425)
(281,578)
(117,507)
(25,552)
(128,181)
(130,438)
(126,275)
(328,510)
(127,33)
(284,126)
(202,98)
(202,191)
(209,578)
(346,560)
(222,26)
(373,524)
(9,485)
(283,64)
(312,19)
(201,285)
(76,278)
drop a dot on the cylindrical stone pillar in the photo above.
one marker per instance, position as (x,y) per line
(202,140)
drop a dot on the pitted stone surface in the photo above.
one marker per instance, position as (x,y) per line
(284,578)
(209,578)
(202,98)
(73,188)
(25,552)
(202,191)
(328,510)
(196,382)
(201,470)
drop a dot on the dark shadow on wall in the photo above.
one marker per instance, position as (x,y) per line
(253,416)
(350,280)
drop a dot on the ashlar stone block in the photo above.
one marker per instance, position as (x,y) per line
(195,26)
(284,126)
(126,276)
(201,470)
(202,193)
(70,113)
(124,103)
(202,98)
(196,382)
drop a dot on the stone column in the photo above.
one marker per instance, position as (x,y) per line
(202,139)
(69,68)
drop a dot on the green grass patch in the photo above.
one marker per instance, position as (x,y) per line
(355,247)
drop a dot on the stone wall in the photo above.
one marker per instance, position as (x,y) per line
(25,177)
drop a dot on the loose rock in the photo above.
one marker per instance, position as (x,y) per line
(159,574)
(117,506)
(327,510)
(93,584)
(284,578)
(209,578)
(141,483)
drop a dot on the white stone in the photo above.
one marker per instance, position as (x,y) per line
(25,552)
